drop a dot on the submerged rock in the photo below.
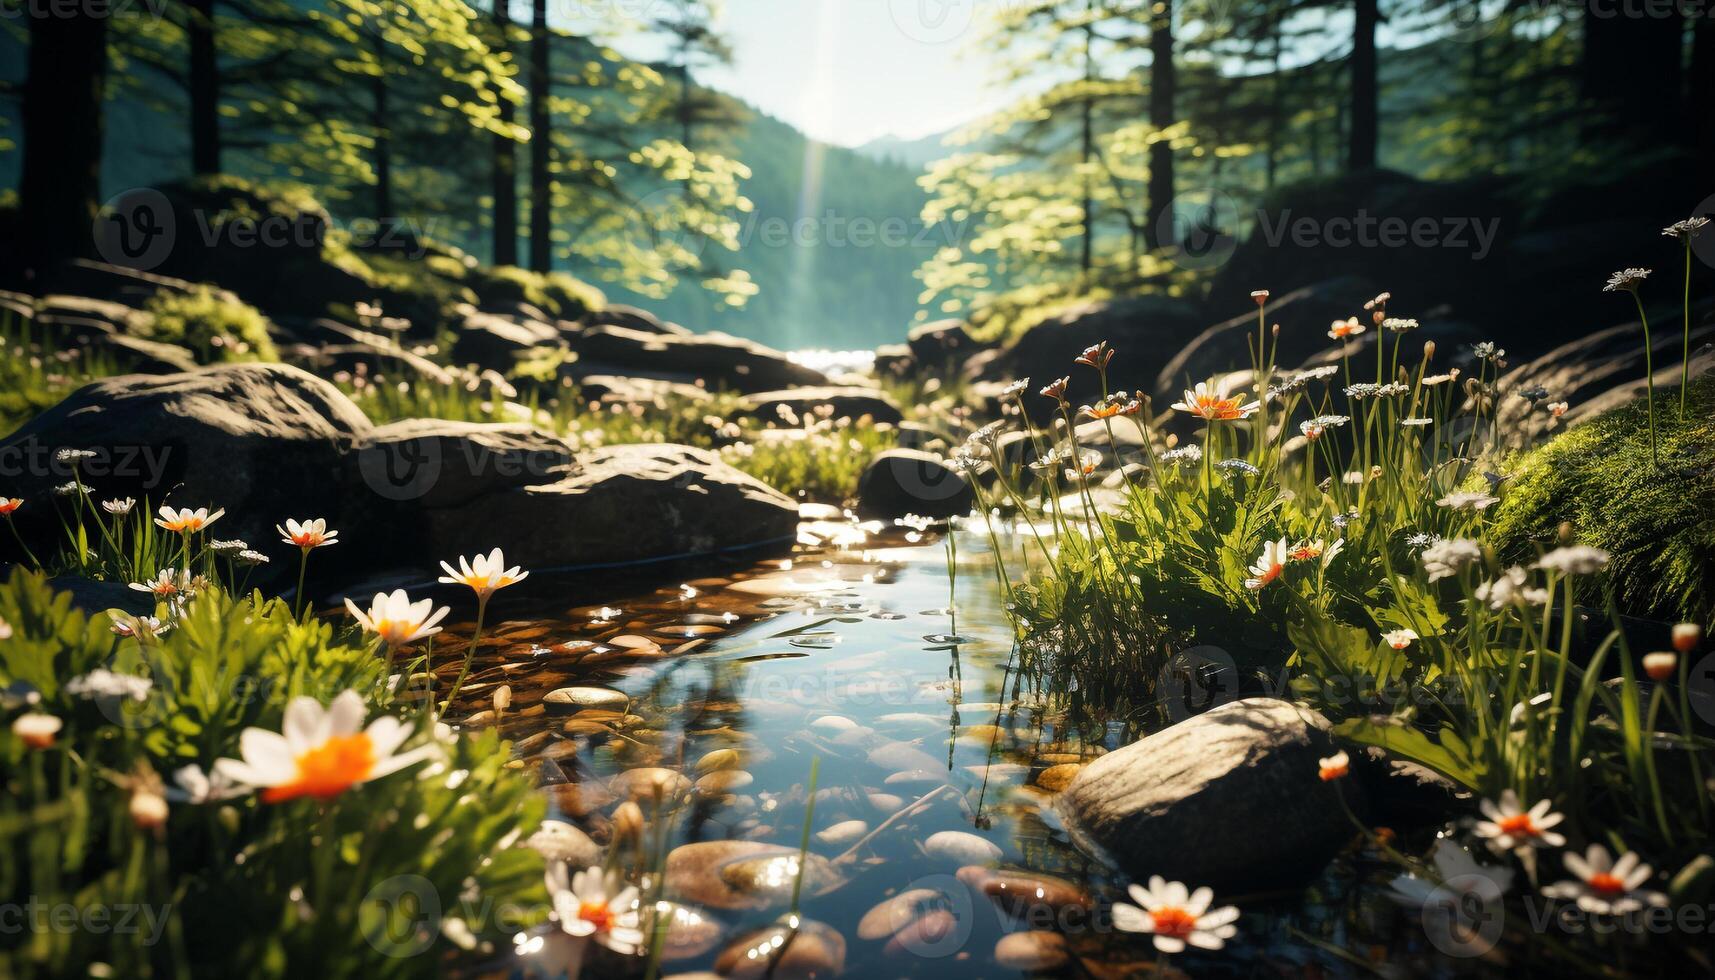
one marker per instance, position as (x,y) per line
(1037,949)
(811,951)
(1228,797)
(959,847)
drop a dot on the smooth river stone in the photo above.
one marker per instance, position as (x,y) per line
(1000,772)
(644,782)
(816,952)
(903,757)
(719,759)
(886,802)
(1034,950)
(557,840)
(1056,778)
(690,932)
(772,878)
(724,781)
(842,833)
(893,914)
(961,848)
(914,720)
(568,699)
(834,723)
(1025,895)
(693,872)
(925,935)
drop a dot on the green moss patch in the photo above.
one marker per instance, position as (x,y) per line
(1658,522)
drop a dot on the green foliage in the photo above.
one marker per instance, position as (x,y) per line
(35,373)
(240,887)
(212,324)
(1659,523)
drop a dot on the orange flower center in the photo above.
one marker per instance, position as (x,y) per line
(1304,553)
(1519,825)
(1217,408)
(1331,773)
(329,769)
(1606,884)
(597,913)
(1171,921)
(1272,574)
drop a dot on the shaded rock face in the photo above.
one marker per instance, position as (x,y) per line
(843,402)
(1427,241)
(1229,797)
(268,442)
(631,318)
(940,343)
(619,505)
(1304,316)
(907,481)
(1601,372)
(1144,330)
(112,283)
(721,361)
(262,436)
(489,340)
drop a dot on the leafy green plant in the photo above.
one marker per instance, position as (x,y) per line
(383,879)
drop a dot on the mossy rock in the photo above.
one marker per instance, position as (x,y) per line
(212,324)
(1657,521)
(556,293)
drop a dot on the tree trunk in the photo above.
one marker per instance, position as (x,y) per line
(541,186)
(1361,150)
(1699,107)
(1633,68)
(204,88)
(59,188)
(1088,146)
(1163,83)
(379,123)
(505,165)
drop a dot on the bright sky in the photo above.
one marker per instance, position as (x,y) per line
(848,71)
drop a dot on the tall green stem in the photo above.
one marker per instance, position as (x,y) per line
(1649,377)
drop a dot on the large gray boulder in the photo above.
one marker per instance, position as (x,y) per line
(259,439)
(1144,330)
(631,318)
(496,342)
(270,442)
(898,482)
(618,505)
(1303,314)
(1599,372)
(1230,797)
(941,343)
(721,361)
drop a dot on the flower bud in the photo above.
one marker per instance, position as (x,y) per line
(502,698)
(36,730)
(148,810)
(1566,536)
(1661,666)
(1686,636)
(1428,350)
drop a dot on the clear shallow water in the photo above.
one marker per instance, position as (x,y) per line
(849,654)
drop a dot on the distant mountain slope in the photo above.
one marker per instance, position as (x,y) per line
(915,153)
(831,245)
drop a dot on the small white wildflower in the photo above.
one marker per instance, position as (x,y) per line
(1468,500)
(1512,588)
(1575,560)
(1446,558)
